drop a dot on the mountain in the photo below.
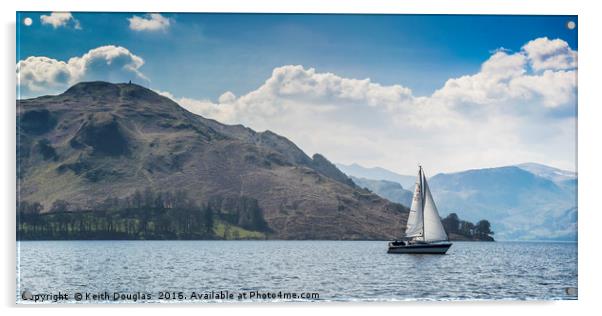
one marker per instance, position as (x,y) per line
(390,190)
(99,140)
(527,201)
(377,173)
(550,173)
(518,203)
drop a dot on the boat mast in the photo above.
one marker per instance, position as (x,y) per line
(420,172)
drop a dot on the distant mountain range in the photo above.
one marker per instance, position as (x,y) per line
(524,202)
(377,173)
(390,190)
(547,172)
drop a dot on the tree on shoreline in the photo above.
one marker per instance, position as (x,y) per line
(454,225)
(483,228)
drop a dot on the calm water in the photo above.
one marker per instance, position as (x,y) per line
(337,270)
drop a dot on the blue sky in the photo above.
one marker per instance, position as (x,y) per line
(451,92)
(211,53)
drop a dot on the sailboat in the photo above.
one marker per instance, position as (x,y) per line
(424,232)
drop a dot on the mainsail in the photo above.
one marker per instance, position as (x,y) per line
(424,222)
(415,219)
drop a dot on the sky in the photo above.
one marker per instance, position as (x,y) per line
(446,91)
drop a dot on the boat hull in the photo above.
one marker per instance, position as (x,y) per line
(435,249)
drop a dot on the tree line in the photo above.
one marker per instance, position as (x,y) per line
(144,214)
(479,231)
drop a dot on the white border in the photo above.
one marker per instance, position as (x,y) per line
(316,6)
(589,160)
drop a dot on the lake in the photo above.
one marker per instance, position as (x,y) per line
(171,271)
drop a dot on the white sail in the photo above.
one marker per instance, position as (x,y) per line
(432,226)
(414,225)
(424,222)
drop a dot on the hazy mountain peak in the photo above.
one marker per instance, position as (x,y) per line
(376,173)
(547,172)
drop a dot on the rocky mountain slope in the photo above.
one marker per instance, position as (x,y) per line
(100,139)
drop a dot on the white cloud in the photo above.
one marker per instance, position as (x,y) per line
(227,97)
(546,54)
(505,78)
(43,75)
(150,22)
(506,113)
(58,19)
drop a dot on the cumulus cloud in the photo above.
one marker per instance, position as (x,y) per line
(149,22)
(60,19)
(503,114)
(546,54)
(43,75)
(505,78)
(227,97)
